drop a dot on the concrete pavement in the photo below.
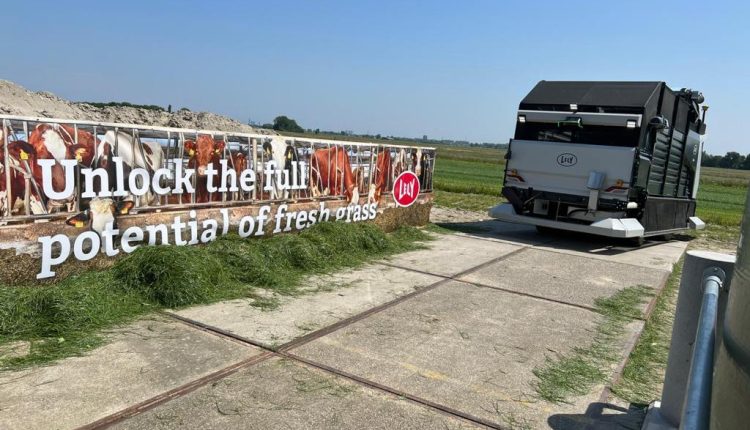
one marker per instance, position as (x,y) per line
(445,337)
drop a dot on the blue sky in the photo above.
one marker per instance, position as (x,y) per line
(445,69)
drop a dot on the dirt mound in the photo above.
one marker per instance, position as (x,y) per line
(17,100)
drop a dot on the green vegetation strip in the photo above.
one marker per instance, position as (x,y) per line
(67,318)
(578,371)
(643,375)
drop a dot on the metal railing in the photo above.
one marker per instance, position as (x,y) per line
(697,405)
(155,147)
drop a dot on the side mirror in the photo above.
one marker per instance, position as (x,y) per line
(658,123)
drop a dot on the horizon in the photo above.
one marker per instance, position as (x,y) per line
(404,70)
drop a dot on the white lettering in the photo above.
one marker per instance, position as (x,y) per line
(48,260)
(131,234)
(78,249)
(68,169)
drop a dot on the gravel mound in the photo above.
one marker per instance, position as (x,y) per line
(17,100)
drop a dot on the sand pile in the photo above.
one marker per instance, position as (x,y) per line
(17,100)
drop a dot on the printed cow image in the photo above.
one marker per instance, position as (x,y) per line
(382,176)
(134,154)
(283,154)
(239,164)
(23,185)
(202,152)
(57,141)
(331,172)
(100,212)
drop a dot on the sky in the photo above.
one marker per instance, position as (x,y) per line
(453,70)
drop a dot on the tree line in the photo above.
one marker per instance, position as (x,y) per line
(731,160)
(284,123)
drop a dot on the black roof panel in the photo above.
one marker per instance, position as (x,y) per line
(593,93)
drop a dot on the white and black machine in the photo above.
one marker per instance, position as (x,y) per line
(617,159)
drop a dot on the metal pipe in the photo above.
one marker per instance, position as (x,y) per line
(176,129)
(685,329)
(254,144)
(698,394)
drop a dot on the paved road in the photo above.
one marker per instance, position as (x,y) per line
(439,338)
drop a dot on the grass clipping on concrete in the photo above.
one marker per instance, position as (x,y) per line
(643,375)
(53,321)
(576,373)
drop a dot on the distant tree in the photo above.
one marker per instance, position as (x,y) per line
(317,131)
(169,108)
(732,160)
(746,163)
(284,123)
(709,160)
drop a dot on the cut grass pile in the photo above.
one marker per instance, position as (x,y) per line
(67,318)
(577,372)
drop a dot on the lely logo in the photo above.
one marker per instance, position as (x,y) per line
(567,159)
(406,189)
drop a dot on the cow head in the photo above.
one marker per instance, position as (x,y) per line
(204,151)
(267,148)
(101,212)
(240,161)
(417,160)
(290,155)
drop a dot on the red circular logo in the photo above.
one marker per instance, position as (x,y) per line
(406,189)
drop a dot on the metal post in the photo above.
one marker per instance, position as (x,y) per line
(689,304)
(730,403)
(254,145)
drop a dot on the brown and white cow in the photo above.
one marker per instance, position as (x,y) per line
(407,161)
(58,142)
(23,185)
(331,172)
(202,152)
(382,176)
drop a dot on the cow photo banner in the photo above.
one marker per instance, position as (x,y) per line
(77,189)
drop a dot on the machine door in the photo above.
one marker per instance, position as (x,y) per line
(567,168)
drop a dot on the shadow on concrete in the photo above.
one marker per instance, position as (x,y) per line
(601,416)
(557,239)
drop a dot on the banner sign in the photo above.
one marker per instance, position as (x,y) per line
(89,175)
